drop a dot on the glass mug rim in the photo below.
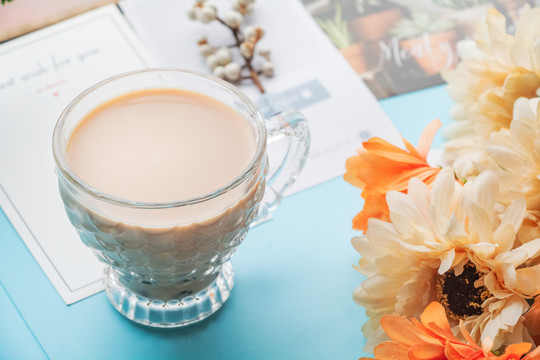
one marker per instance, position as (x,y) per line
(59,152)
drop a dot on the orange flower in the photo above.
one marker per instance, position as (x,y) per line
(431,339)
(380,167)
(532,321)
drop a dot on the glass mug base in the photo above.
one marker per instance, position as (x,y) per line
(171,313)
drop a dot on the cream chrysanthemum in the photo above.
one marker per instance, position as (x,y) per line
(516,152)
(447,241)
(496,69)
(502,266)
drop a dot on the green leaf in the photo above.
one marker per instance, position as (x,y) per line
(336,29)
(418,24)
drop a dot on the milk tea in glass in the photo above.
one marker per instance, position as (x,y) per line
(162,173)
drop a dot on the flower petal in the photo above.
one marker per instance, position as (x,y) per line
(382,148)
(402,331)
(434,318)
(467,336)
(427,137)
(441,199)
(404,214)
(391,351)
(480,226)
(515,213)
(458,351)
(527,281)
(518,349)
(533,355)
(426,352)
(521,254)
(485,189)
(512,311)
(446,261)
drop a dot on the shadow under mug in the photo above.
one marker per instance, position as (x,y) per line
(167,263)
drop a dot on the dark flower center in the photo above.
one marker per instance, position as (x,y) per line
(458,294)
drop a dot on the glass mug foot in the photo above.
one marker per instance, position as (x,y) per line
(171,313)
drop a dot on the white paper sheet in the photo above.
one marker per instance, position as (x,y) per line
(40,74)
(311,75)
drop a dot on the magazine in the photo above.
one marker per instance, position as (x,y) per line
(398,46)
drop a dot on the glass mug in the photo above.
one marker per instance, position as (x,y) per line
(167,263)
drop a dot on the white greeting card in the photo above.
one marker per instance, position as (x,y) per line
(40,74)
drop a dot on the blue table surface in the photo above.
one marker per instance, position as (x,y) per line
(292,298)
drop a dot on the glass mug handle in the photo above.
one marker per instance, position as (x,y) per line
(291,125)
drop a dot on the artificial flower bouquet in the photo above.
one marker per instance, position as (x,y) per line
(451,255)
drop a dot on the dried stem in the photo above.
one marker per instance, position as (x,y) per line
(253,74)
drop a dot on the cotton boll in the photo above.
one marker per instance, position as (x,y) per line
(233,71)
(212,61)
(233,19)
(249,8)
(249,32)
(205,50)
(192,13)
(246,49)
(267,69)
(219,71)
(207,14)
(264,52)
(202,40)
(224,56)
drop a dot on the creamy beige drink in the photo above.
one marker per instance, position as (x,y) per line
(156,146)
(160,146)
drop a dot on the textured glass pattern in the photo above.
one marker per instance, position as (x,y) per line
(171,313)
(170,261)
(178,270)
